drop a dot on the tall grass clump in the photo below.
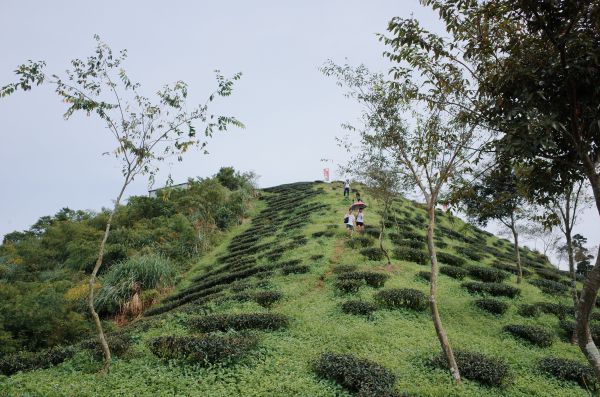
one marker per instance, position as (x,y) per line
(124,283)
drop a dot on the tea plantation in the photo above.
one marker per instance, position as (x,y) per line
(289,305)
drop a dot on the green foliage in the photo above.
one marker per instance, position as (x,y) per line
(205,350)
(495,289)
(510,268)
(372,279)
(119,344)
(294,269)
(132,276)
(411,255)
(374,254)
(549,274)
(343,269)
(27,361)
(528,310)
(569,370)
(493,306)
(536,335)
(557,309)
(549,287)
(450,259)
(366,378)
(238,322)
(396,298)
(487,274)
(454,272)
(358,307)
(360,242)
(349,286)
(478,367)
(423,275)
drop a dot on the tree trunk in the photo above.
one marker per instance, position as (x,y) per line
(516,244)
(95,317)
(381,235)
(437,321)
(573,279)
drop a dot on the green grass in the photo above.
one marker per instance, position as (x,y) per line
(400,340)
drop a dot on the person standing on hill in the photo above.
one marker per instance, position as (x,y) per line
(349,221)
(360,221)
(347,188)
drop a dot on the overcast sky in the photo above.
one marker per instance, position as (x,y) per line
(291,111)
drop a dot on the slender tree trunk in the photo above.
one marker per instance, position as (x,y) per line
(435,315)
(573,279)
(381,236)
(517,252)
(95,317)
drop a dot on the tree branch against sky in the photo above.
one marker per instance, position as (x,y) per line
(146,132)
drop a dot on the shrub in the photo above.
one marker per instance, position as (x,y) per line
(373,279)
(358,307)
(411,255)
(360,241)
(238,322)
(528,310)
(569,327)
(549,287)
(453,271)
(372,231)
(511,268)
(495,289)
(423,275)
(349,286)
(549,274)
(469,253)
(295,269)
(402,298)
(535,335)
(359,375)
(487,274)
(27,361)
(266,298)
(316,257)
(126,278)
(569,370)
(558,309)
(343,269)
(118,343)
(476,366)
(205,350)
(324,233)
(374,254)
(450,259)
(493,306)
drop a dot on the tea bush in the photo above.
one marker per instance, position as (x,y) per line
(349,286)
(119,344)
(478,367)
(28,361)
(372,279)
(510,268)
(408,298)
(360,242)
(493,306)
(549,274)
(374,254)
(453,271)
(533,334)
(343,269)
(294,269)
(558,309)
(569,370)
(423,275)
(487,274)
(528,310)
(549,287)
(205,350)
(365,377)
(411,255)
(495,289)
(450,259)
(358,307)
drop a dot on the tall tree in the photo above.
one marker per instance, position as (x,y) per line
(427,151)
(495,196)
(146,131)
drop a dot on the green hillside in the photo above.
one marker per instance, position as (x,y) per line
(287,267)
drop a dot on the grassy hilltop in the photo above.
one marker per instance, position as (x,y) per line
(290,268)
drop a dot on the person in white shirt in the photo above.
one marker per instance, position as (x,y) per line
(350,218)
(347,188)
(360,221)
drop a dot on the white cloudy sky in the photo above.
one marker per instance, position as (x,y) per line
(292,112)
